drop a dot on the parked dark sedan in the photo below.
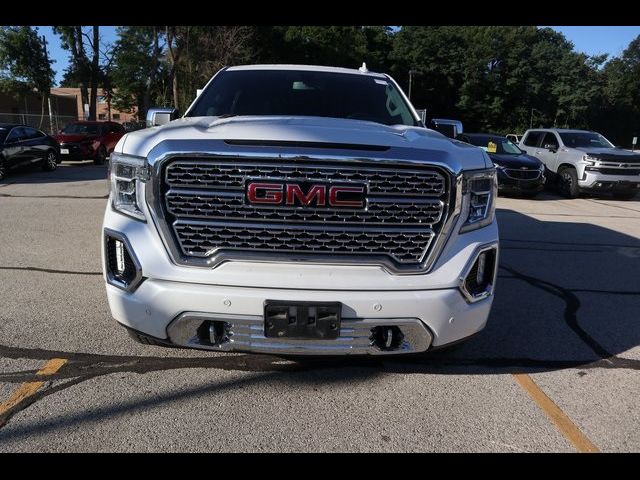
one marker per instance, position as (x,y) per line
(89,139)
(23,145)
(517,171)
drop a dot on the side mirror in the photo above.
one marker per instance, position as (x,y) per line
(160,116)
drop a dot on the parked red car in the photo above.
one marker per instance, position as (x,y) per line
(87,139)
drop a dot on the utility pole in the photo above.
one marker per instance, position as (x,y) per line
(46,56)
(411,74)
(531,120)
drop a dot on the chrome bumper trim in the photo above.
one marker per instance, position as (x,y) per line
(246,334)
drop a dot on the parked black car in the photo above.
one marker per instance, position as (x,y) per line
(23,145)
(517,172)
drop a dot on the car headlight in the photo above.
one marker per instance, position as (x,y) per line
(126,174)
(479,189)
(590,160)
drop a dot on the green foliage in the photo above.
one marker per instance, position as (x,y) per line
(23,61)
(495,78)
(137,68)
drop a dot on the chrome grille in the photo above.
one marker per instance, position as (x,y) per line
(407,246)
(200,204)
(231,176)
(203,202)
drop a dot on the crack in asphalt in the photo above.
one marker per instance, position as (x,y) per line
(51,270)
(570,244)
(54,196)
(603,202)
(81,367)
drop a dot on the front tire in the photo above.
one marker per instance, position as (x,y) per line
(50,161)
(3,168)
(101,155)
(568,182)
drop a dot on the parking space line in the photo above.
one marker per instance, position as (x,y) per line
(27,389)
(562,422)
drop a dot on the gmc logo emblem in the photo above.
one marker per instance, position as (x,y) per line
(305,194)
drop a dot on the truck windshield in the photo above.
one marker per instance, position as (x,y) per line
(584,139)
(304,93)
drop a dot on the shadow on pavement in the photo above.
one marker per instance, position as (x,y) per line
(66,172)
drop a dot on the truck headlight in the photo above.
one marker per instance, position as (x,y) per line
(590,160)
(479,189)
(126,173)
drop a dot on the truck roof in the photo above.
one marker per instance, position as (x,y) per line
(310,68)
(563,130)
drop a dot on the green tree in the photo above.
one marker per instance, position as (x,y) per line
(24,64)
(137,68)
(23,58)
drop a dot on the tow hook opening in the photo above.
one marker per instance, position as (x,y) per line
(386,338)
(214,332)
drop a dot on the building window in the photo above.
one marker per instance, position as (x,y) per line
(102,116)
(102,99)
(116,116)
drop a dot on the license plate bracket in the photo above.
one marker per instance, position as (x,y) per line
(311,320)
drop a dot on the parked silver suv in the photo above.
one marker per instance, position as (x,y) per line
(582,160)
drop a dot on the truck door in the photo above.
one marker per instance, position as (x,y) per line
(548,151)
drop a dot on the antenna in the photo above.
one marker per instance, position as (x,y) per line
(363,68)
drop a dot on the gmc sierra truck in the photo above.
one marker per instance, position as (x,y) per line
(299,210)
(580,160)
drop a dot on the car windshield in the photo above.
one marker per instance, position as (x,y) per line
(81,129)
(304,93)
(500,145)
(585,139)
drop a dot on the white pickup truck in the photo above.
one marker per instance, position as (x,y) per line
(299,210)
(581,160)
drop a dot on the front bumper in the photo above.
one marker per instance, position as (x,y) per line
(174,311)
(76,151)
(594,180)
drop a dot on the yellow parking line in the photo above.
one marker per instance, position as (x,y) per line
(557,416)
(29,388)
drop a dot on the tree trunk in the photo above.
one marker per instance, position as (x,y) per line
(80,58)
(175,90)
(155,56)
(95,70)
(174,53)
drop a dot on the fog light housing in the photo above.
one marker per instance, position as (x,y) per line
(479,275)
(122,268)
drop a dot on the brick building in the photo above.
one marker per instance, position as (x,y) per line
(102,106)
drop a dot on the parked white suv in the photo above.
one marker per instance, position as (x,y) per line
(583,160)
(300,210)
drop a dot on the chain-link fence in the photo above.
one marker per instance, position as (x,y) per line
(41,122)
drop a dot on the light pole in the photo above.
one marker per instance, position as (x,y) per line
(411,74)
(531,120)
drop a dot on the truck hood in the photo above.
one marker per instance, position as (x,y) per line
(613,154)
(302,129)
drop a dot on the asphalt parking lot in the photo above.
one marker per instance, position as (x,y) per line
(556,369)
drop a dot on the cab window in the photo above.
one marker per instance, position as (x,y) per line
(533,139)
(550,141)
